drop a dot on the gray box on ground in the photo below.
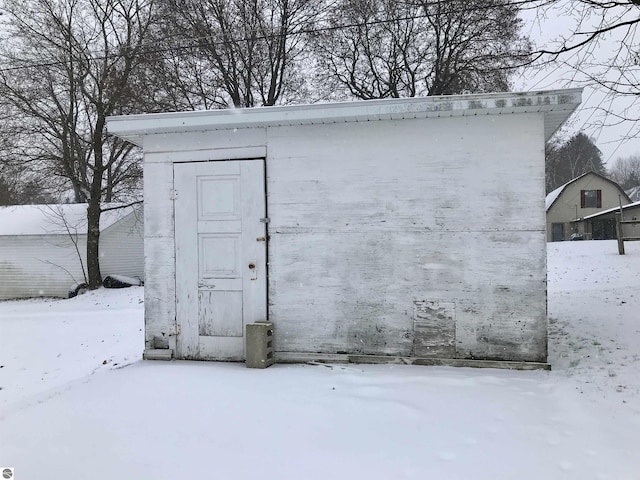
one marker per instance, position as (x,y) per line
(259,345)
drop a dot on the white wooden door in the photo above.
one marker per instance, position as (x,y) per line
(220,256)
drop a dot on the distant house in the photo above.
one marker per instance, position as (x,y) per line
(602,225)
(43,247)
(585,195)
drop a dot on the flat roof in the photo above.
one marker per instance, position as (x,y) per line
(557,106)
(611,210)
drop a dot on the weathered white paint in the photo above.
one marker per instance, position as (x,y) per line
(434,329)
(220,256)
(47,264)
(564,206)
(362,227)
(369,219)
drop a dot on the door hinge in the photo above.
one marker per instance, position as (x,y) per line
(178,329)
(174,194)
(265,220)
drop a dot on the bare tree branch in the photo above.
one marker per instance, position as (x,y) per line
(84,63)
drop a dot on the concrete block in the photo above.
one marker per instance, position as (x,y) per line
(158,354)
(259,345)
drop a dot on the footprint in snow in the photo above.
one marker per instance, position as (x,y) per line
(566,466)
(447,456)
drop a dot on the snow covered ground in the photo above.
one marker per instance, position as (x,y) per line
(69,409)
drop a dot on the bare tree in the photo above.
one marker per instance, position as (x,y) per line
(238,53)
(625,171)
(57,218)
(389,48)
(17,191)
(372,58)
(7,192)
(615,71)
(67,65)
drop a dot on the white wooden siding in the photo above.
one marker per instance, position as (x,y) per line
(47,265)
(366,219)
(159,252)
(160,269)
(39,265)
(122,247)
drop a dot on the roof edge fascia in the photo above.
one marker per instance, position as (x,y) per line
(134,127)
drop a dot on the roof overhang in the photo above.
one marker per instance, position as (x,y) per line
(557,106)
(609,211)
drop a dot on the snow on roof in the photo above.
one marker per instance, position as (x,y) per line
(552,196)
(634,193)
(614,209)
(54,219)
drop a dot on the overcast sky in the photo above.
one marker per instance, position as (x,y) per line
(610,139)
(587,118)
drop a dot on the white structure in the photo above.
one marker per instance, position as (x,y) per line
(38,254)
(343,224)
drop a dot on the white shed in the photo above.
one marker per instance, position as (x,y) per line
(409,229)
(38,254)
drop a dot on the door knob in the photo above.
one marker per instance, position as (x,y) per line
(252,266)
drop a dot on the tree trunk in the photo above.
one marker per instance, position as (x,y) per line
(93,242)
(93,210)
(71,63)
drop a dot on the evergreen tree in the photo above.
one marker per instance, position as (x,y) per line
(568,160)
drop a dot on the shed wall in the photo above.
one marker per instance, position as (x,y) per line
(371,220)
(375,225)
(47,265)
(39,265)
(122,247)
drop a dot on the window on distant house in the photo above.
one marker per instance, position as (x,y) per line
(591,198)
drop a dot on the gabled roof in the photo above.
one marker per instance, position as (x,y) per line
(610,210)
(51,219)
(556,105)
(553,196)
